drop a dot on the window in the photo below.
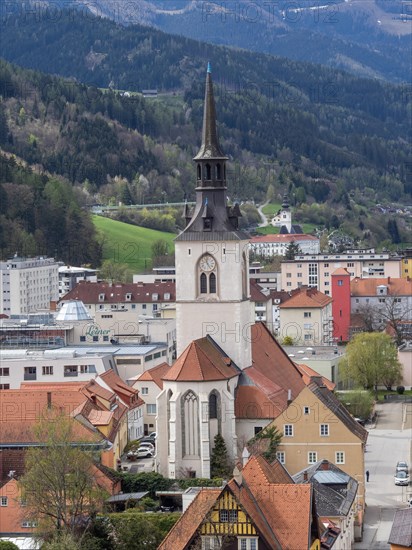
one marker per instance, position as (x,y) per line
(340,457)
(47,371)
(212,405)
(340,282)
(324,429)
(307,314)
(288,430)
(203,283)
(70,370)
(306,410)
(308,337)
(95,338)
(288,284)
(312,457)
(82,338)
(280,455)
(145,391)
(228,516)
(300,275)
(4,386)
(288,275)
(258,429)
(325,265)
(4,501)
(248,543)
(29,524)
(30,373)
(211,543)
(151,409)
(5,371)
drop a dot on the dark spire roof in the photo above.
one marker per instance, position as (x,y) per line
(210,148)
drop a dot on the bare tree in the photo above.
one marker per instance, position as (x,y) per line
(392,312)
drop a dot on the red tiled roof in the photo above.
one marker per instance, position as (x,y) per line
(89,292)
(307,297)
(202,360)
(268,380)
(256,294)
(155,374)
(185,528)
(341,271)
(126,393)
(307,374)
(258,471)
(282,238)
(367,287)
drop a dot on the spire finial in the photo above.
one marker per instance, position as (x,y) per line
(209,67)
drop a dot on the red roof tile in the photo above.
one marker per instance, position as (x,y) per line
(307,374)
(367,287)
(202,360)
(155,374)
(89,293)
(307,297)
(256,294)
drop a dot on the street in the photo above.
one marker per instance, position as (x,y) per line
(388,442)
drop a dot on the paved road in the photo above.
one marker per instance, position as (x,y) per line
(389,442)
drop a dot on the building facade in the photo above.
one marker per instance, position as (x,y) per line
(28,285)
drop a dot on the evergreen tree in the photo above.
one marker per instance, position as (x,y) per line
(219,460)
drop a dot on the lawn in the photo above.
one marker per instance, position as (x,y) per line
(129,244)
(271,209)
(268,230)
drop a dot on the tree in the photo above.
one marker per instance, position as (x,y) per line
(114,271)
(160,252)
(371,360)
(273,438)
(292,250)
(58,484)
(219,460)
(392,313)
(7,545)
(358,402)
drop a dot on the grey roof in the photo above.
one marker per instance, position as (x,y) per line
(123,497)
(330,400)
(74,310)
(116,350)
(401,533)
(334,490)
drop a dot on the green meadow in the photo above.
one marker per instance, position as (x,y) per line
(128,244)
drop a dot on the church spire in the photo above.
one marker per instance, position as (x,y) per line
(210,148)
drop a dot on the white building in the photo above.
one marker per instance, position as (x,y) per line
(69,276)
(268,246)
(28,285)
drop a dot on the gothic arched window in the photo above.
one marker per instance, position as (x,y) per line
(199,172)
(212,283)
(190,424)
(203,283)
(212,405)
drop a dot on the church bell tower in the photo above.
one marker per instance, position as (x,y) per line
(212,262)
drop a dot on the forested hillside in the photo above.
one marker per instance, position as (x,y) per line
(40,215)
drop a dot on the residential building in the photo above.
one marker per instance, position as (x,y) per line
(28,285)
(323,360)
(316,269)
(260,508)
(262,302)
(145,299)
(391,296)
(267,246)
(306,317)
(69,276)
(149,385)
(334,499)
(165,274)
(406,262)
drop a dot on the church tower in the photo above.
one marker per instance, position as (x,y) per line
(212,265)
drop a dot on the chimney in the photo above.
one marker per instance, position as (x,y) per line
(289,397)
(49,399)
(305,475)
(324,465)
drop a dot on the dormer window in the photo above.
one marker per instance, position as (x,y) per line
(155,297)
(128,297)
(167,295)
(207,224)
(101,297)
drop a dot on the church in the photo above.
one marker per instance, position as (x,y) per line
(231,376)
(214,317)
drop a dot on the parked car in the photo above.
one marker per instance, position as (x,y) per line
(402,466)
(148,439)
(401,478)
(141,452)
(153,435)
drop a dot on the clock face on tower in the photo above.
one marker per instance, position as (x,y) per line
(207,263)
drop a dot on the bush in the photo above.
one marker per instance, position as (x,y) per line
(7,545)
(400,389)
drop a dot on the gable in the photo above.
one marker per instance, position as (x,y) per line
(227,517)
